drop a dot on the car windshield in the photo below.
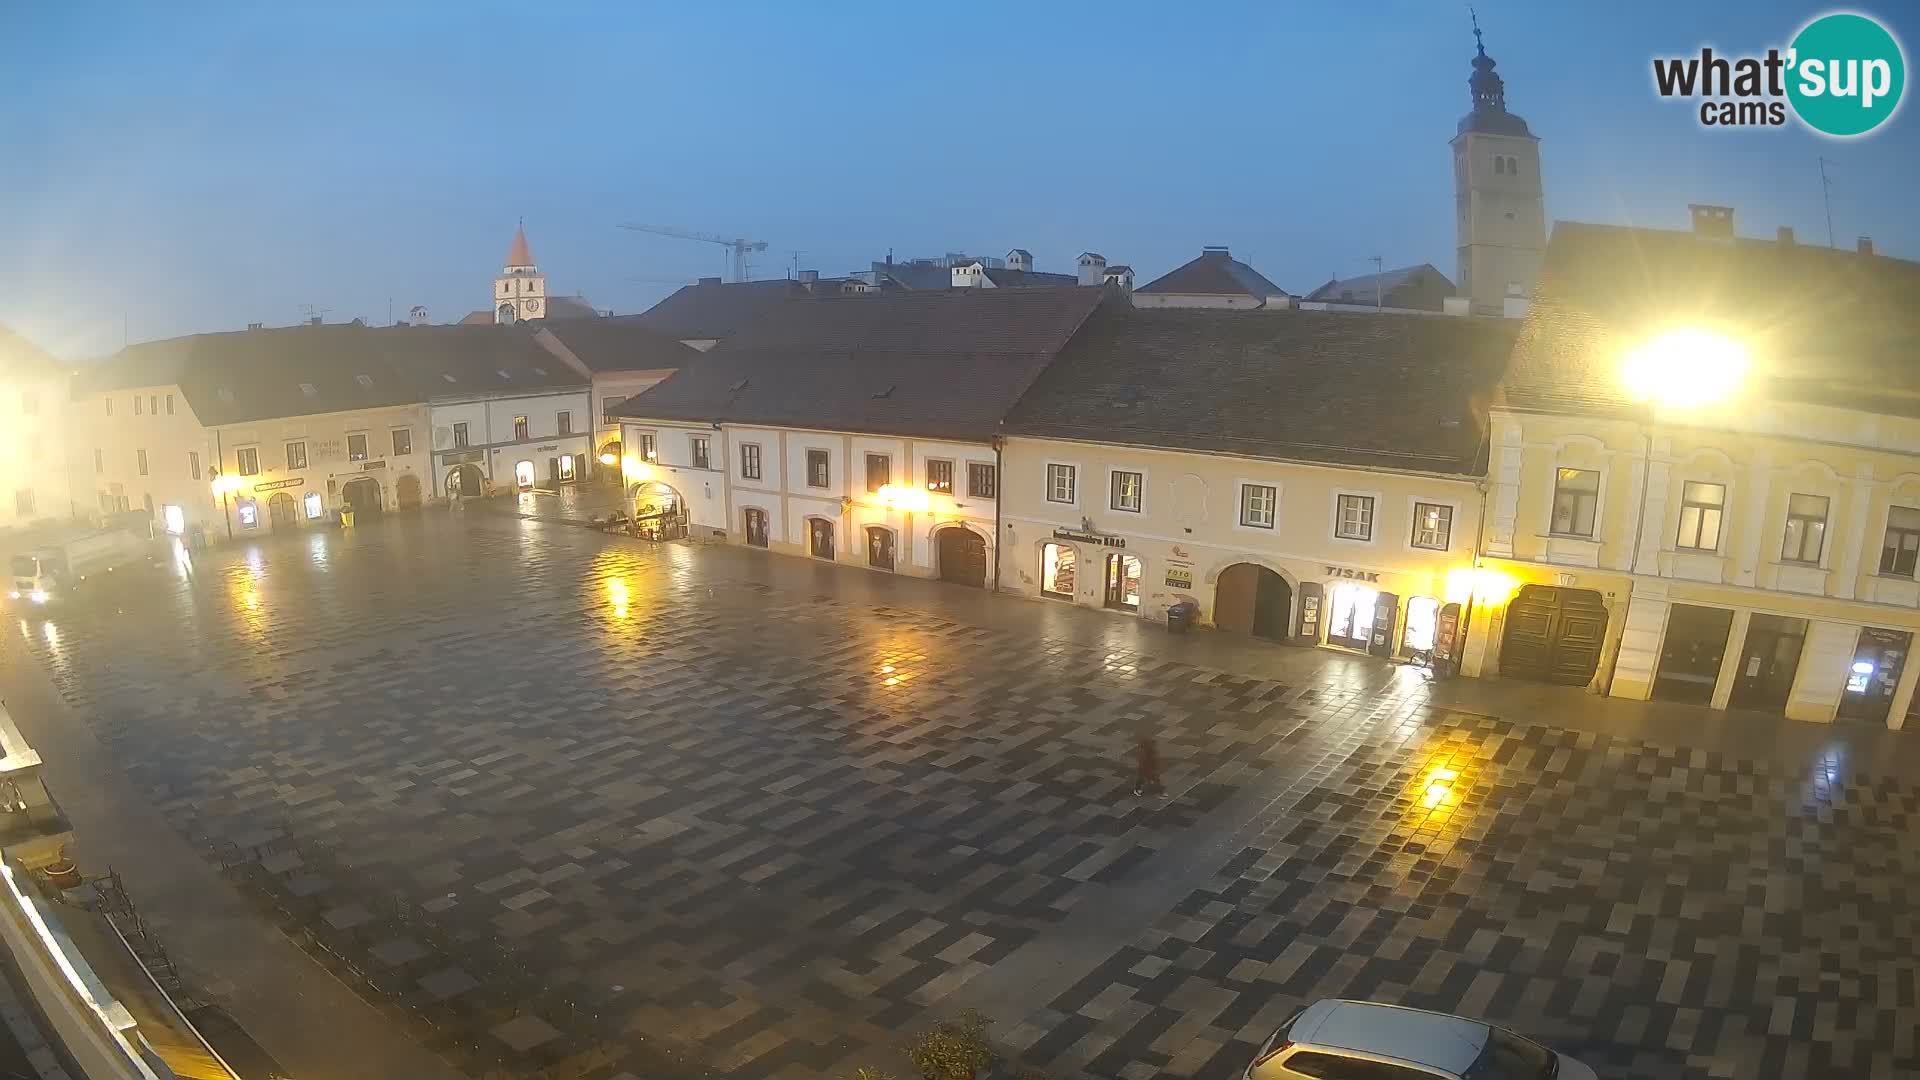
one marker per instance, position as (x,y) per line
(1509,1057)
(25,566)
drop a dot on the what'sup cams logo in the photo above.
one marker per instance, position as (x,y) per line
(1842,76)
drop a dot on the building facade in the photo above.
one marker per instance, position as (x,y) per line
(1751,548)
(292,472)
(520,440)
(35,457)
(141,447)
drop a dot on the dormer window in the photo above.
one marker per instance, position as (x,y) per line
(365,381)
(309,389)
(502,372)
(447,377)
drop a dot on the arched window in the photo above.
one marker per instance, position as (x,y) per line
(879,547)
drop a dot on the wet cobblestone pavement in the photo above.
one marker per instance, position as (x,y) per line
(571,802)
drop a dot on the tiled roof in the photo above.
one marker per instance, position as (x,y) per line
(1420,287)
(1825,327)
(1214,273)
(1030,279)
(715,309)
(625,343)
(1381,391)
(569,308)
(251,375)
(519,255)
(929,364)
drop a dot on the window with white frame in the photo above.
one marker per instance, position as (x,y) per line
(1126,488)
(1060,483)
(879,471)
(702,451)
(940,475)
(1576,497)
(357,446)
(981,480)
(1432,526)
(296,455)
(1701,505)
(1901,547)
(818,468)
(1354,519)
(1257,505)
(247,459)
(1806,535)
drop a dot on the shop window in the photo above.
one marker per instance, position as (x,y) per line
(522,430)
(566,468)
(818,473)
(981,480)
(879,547)
(1806,535)
(172,517)
(315,505)
(1354,521)
(1258,503)
(1576,496)
(1057,569)
(1898,552)
(1127,489)
(1060,483)
(1423,618)
(1432,526)
(460,436)
(1700,508)
(879,471)
(940,475)
(357,447)
(249,512)
(402,441)
(749,461)
(702,451)
(296,455)
(248,460)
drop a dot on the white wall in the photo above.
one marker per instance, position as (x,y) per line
(490,430)
(704,490)
(177,447)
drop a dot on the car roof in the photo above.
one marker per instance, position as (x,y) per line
(1436,1040)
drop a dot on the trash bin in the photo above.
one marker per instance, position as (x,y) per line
(1180,616)
(346,519)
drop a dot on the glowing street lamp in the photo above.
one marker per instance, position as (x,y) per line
(1686,368)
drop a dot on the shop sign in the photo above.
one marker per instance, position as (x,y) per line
(1090,538)
(544,449)
(1180,577)
(1181,553)
(464,457)
(328,448)
(1355,575)
(372,465)
(275,485)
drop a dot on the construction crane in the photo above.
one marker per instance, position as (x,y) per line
(740,248)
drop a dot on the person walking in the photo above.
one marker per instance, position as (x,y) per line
(1147,765)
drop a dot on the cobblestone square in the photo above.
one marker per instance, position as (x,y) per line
(555,797)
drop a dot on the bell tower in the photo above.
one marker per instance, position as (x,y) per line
(1500,212)
(520,292)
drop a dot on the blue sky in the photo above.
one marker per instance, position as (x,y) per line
(181,168)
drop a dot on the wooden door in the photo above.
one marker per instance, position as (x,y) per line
(1768,661)
(756,528)
(963,557)
(820,538)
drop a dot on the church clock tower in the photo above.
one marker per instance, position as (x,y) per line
(520,292)
(1500,216)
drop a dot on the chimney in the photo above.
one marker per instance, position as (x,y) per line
(1786,236)
(1864,245)
(809,277)
(1712,222)
(709,281)
(313,320)
(1093,268)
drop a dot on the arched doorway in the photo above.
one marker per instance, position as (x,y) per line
(820,538)
(962,555)
(362,496)
(1253,599)
(879,547)
(659,513)
(465,481)
(756,521)
(281,511)
(523,475)
(407,491)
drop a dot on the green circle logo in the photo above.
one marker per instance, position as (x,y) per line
(1846,74)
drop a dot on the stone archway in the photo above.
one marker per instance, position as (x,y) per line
(362,496)
(659,511)
(466,481)
(960,555)
(406,491)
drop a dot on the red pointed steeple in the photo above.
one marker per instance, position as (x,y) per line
(520,256)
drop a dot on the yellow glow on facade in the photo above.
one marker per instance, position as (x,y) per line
(905,497)
(1688,367)
(608,459)
(1490,588)
(228,483)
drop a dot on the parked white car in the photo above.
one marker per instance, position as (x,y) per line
(1365,1040)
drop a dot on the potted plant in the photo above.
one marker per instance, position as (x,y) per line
(62,872)
(952,1049)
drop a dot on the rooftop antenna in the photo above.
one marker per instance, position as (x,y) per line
(1826,197)
(1378,263)
(1475,16)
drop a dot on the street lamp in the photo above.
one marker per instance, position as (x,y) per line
(1687,368)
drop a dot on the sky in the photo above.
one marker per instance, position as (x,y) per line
(172,169)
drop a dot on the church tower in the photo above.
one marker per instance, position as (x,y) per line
(520,292)
(1500,218)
